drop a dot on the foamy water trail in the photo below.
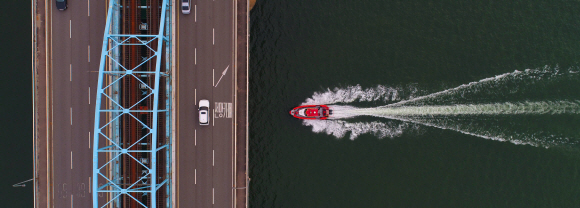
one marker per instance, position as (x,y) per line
(535,137)
(343,111)
(452,118)
(501,87)
(523,108)
(488,108)
(357,93)
(476,126)
(340,128)
(497,88)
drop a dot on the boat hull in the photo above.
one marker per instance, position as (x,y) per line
(314,112)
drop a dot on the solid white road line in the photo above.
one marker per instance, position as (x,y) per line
(70,29)
(71,159)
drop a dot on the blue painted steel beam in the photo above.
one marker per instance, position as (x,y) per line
(111,68)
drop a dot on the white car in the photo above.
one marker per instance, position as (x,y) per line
(204,112)
(185,6)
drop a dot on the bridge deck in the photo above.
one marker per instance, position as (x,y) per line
(63,171)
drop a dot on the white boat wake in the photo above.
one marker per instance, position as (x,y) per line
(468,109)
(357,94)
(340,128)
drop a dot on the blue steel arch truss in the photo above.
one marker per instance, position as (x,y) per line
(110,182)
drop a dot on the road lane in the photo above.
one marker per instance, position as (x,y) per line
(73,115)
(82,120)
(97,22)
(205,44)
(202,81)
(61,90)
(223,131)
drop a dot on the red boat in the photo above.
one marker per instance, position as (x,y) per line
(319,112)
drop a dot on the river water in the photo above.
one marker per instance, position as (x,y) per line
(486,92)
(16,104)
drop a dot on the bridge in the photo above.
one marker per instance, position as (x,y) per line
(116,89)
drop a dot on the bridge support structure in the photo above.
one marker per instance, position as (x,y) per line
(131,136)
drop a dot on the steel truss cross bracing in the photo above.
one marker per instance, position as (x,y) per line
(144,114)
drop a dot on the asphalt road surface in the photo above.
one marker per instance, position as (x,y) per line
(205,159)
(77,35)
